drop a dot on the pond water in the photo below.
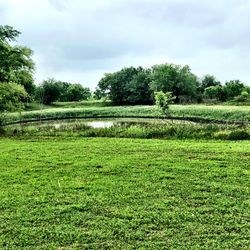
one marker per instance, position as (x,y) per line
(92,123)
(101,124)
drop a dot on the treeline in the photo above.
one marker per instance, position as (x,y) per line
(51,91)
(138,85)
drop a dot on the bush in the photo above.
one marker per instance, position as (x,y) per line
(221,135)
(2,121)
(239,135)
(76,92)
(12,96)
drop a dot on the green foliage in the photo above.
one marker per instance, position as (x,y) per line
(49,91)
(163,100)
(127,86)
(52,90)
(233,88)
(239,135)
(137,85)
(131,128)
(209,81)
(215,92)
(99,94)
(76,92)
(2,123)
(11,96)
(176,79)
(138,89)
(16,64)
(244,93)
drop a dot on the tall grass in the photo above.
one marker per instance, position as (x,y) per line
(208,113)
(167,130)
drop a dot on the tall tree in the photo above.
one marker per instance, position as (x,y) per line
(16,64)
(127,86)
(175,79)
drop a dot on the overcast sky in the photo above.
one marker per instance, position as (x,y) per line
(80,40)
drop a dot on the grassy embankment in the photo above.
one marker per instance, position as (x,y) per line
(158,129)
(211,113)
(100,193)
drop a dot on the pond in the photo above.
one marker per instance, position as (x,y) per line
(98,123)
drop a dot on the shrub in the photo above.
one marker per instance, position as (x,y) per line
(239,135)
(76,92)
(12,96)
(2,131)
(163,100)
(221,135)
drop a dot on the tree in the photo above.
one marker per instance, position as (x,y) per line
(127,86)
(138,89)
(25,78)
(163,100)
(16,64)
(233,88)
(52,90)
(99,94)
(176,79)
(76,92)
(49,91)
(11,96)
(209,81)
(215,92)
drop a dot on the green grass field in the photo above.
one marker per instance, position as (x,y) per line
(60,110)
(100,193)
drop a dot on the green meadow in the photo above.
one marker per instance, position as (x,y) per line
(110,193)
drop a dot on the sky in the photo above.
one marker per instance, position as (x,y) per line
(79,40)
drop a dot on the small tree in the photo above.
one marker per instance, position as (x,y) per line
(163,100)
(233,88)
(215,92)
(76,92)
(209,81)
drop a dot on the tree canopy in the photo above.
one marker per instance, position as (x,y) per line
(138,85)
(16,64)
(127,86)
(52,90)
(176,79)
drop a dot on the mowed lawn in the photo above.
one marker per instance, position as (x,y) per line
(100,193)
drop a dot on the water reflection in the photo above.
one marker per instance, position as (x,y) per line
(83,124)
(101,124)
